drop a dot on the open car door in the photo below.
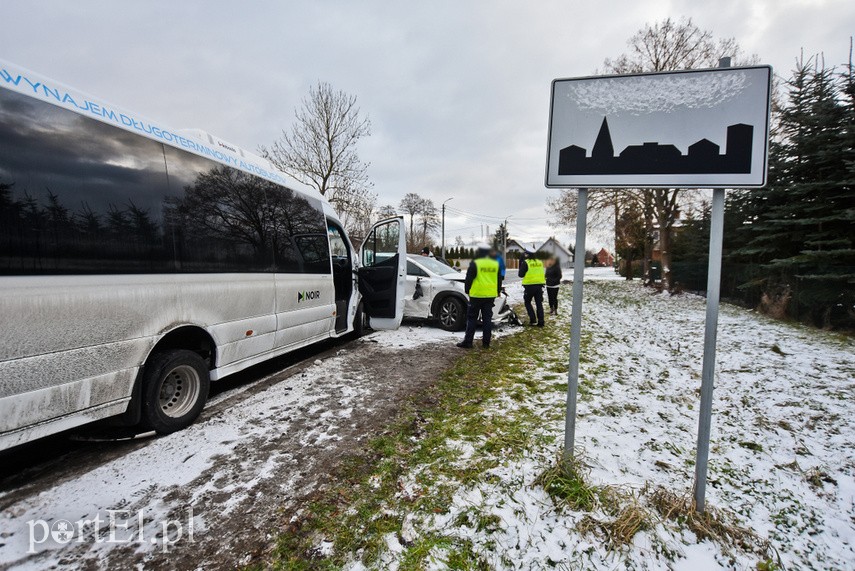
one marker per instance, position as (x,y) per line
(383,273)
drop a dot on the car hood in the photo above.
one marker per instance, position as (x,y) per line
(454,277)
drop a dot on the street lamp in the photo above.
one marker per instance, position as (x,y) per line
(443,226)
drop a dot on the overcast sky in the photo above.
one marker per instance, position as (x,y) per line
(457,92)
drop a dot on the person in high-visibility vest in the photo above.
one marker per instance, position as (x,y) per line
(482,285)
(533,277)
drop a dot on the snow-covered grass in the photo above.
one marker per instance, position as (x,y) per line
(469,478)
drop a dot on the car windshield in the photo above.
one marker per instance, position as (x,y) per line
(433,265)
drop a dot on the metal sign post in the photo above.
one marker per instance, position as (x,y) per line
(710,333)
(710,337)
(576,324)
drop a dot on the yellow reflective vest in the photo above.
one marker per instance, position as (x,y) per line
(535,275)
(486,282)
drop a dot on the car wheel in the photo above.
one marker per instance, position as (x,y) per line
(452,314)
(175,388)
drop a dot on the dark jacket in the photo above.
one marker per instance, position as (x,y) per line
(553,275)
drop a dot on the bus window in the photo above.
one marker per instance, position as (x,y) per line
(314,252)
(77,196)
(338,248)
(246,220)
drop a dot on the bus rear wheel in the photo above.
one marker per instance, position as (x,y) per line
(175,388)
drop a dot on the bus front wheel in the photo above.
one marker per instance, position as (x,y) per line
(175,388)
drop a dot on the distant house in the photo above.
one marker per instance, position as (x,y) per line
(514,251)
(605,258)
(514,247)
(554,248)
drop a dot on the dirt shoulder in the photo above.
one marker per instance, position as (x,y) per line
(258,451)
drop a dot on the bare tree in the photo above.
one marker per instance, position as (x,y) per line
(410,206)
(320,150)
(630,237)
(605,206)
(386,211)
(665,46)
(357,217)
(670,45)
(429,220)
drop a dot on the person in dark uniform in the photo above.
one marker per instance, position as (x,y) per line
(482,285)
(494,253)
(533,279)
(553,282)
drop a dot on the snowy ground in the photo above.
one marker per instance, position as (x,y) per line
(782,458)
(259,447)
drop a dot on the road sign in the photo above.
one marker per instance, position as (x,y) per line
(686,129)
(671,107)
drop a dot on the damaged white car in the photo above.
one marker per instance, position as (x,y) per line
(435,291)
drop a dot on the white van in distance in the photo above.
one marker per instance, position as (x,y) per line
(138,263)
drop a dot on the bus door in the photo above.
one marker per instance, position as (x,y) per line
(383,273)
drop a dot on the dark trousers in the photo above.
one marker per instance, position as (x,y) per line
(552,293)
(484,306)
(534,292)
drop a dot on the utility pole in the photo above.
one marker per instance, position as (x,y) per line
(443,226)
(505,235)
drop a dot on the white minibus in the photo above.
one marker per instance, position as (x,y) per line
(138,263)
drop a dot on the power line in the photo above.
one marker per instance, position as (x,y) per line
(459,229)
(473,215)
(486,217)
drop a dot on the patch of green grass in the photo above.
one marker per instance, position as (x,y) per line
(462,557)
(488,522)
(367,499)
(565,482)
(752,446)
(778,350)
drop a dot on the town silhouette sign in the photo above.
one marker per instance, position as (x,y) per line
(654,158)
(683,129)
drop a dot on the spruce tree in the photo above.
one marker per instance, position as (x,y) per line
(801,233)
(691,249)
